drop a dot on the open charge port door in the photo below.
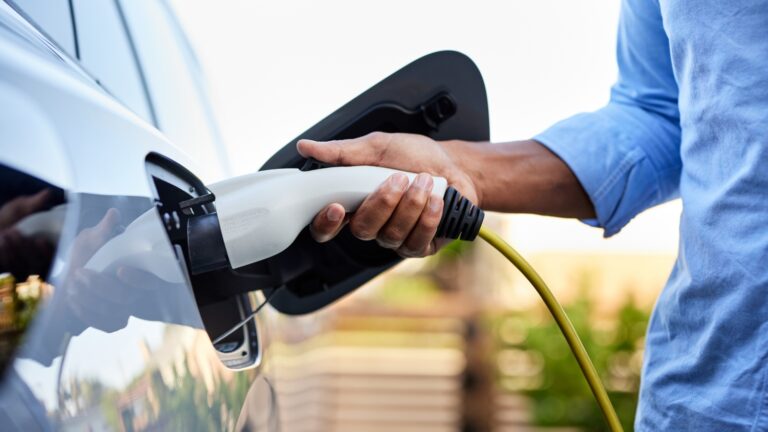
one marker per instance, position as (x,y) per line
(441,95)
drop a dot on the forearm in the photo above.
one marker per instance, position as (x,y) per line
(521,177)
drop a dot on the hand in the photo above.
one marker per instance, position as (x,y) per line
(397,215)
(105,299)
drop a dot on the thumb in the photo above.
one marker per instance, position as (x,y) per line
(105,229)
(90,240)
(357,151)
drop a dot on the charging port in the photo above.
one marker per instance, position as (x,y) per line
(181,199)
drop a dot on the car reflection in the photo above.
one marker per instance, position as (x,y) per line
(99,329)
(25,257)
(175,372)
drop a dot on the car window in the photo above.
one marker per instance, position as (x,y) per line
(174,82)
(52,17)
(105,51)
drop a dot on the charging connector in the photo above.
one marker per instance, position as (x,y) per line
(461,218)
(261,214)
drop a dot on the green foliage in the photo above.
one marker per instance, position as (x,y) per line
(184,405)
(560,394)
(191,408)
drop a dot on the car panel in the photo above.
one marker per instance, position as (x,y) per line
(114,354)
(106,51)
(82,348)
(173,82)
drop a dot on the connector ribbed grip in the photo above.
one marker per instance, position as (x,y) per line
(461,219)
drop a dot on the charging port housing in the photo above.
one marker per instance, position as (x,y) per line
(180,198)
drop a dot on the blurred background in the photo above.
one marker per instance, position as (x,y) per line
(457,341)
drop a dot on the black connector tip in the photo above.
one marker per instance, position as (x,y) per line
(461,219)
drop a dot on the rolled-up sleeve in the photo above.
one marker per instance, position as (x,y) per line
(627,154)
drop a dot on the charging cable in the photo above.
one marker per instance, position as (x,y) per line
(566,327)
(259,215)
(245,320)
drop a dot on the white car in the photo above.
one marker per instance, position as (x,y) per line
(105,129)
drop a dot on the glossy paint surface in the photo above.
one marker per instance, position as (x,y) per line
(117,341)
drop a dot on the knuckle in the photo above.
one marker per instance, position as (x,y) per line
(389,199)
(416,198)
(377,138)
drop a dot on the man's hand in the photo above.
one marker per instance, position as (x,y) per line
(517,177)
(397,215)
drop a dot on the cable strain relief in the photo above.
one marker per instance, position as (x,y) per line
(461,219)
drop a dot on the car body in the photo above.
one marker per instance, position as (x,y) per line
(106,128)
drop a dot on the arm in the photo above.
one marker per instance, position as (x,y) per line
(605,166)
(405,218)
(541,181)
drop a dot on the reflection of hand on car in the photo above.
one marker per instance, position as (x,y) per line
(23,255)
(104,299)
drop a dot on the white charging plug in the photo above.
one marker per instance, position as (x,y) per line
(261,214)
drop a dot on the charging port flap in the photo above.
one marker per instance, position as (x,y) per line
(441,95)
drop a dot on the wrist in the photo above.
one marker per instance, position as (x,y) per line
(464,173)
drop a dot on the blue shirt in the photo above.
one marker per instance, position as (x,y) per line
(688,117)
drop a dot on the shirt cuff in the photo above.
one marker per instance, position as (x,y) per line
(604,149)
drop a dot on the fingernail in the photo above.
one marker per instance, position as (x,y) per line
(399,181)
(435,203)
(423,181)
(334,214)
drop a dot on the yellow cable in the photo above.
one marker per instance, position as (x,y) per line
(587,368)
